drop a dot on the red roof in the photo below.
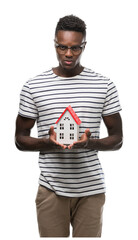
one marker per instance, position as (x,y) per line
(73,114)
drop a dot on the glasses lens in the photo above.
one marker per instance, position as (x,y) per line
(62,49)
(76,49)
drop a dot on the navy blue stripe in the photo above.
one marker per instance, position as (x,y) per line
(32,113)
(64,152)
(71,183)
(50,124)
(45,110)
(26,116)
(48,109)
(37,79)
(81,127)
(74,107)
(103,188)
(77,112)
(94,76)
(79,191)
(109,104)
(111,94)
(110,113)
(46,80)
(110,83)
(74,158)
(44,74)
(46,124)
(70,168)
(46,133)
(40,101)
(93,130)
(68,93)
(22,95)
(82,117)
(82,191)
(69,84)
(72,178)
(26,92)
(110,99)
(92,185)
(107,109)
(25,86)
(72,172)
(110,89)
(67,89)
(21,104)
(22,100)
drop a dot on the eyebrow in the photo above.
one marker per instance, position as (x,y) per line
(67,45)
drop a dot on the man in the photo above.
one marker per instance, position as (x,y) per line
(71,184)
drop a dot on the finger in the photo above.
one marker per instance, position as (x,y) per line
(63,146)
(88,133)
(70,146)
(59,145)
(51,130)
(76,145)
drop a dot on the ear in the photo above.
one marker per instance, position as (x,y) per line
(84,45)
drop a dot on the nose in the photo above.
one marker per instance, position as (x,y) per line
(69,53)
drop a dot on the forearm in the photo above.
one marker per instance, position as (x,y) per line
(110,143)
(27,143)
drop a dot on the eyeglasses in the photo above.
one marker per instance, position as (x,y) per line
(62,49)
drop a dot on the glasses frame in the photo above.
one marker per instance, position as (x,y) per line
(57,45)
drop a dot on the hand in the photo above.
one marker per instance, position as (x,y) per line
(82,142)
(52,140)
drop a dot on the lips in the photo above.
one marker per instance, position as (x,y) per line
(68,62)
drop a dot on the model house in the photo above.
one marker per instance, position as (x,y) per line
(68,126)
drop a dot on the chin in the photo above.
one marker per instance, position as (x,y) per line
(68,67)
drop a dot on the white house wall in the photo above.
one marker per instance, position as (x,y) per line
(65,120)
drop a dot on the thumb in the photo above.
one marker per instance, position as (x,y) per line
(51,130)
(87,132)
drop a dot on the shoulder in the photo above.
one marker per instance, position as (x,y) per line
(97,76)
(40,77)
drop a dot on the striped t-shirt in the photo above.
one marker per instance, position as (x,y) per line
(71,173)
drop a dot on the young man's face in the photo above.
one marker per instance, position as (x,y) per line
(69,58)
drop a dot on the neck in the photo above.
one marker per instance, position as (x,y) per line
(63,72)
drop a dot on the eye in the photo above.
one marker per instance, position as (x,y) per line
(75,48)
(62,47)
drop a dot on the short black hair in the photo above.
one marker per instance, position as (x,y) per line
(71,23)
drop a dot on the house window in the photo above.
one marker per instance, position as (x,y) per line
(61,126)
(71,135)
(71,126)
(61,136)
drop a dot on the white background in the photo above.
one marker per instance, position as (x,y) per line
(27,49)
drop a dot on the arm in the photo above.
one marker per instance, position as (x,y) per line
(112,142)
(25,142)
(115,136)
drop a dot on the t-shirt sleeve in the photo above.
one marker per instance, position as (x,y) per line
(112,103)
(27,106)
